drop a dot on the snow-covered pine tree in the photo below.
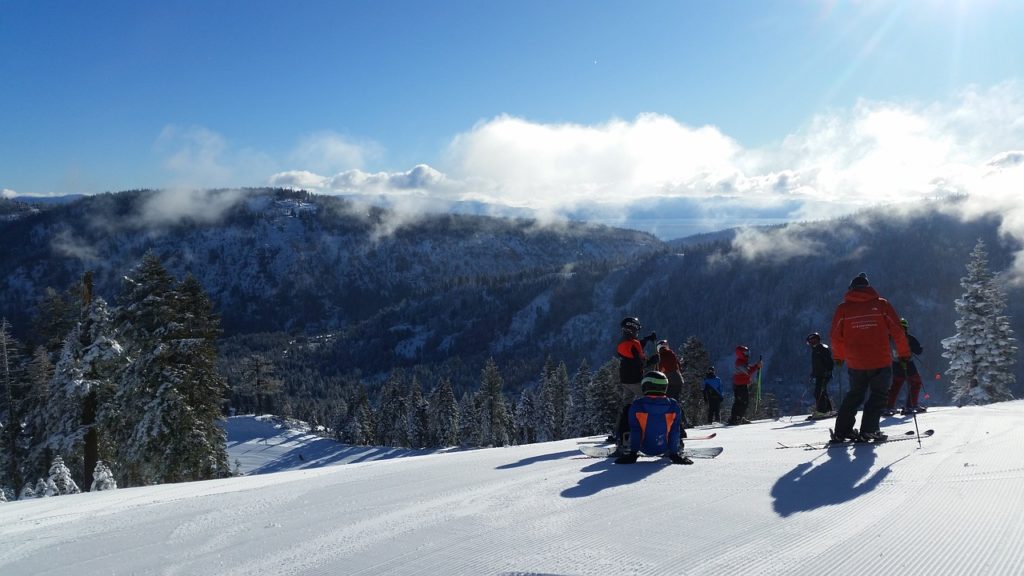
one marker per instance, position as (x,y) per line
(10,409)
(61,478)
(28,491)
(360,427)
(195,445)
(102,478)
(82,389)
(578,418)
(470,426)
(526,417)
(393,411)
(39,374)
(545,407)
(444,415)
(259,384)
(496,421)
(696,362)
(168,399)
(418,416)
(606,398)
(982,353)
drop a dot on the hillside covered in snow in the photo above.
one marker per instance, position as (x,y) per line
(950,505)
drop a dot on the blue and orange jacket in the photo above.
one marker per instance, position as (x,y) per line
(654,425)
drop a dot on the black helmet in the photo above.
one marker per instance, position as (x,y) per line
(813,336)
(654,382)
(631,325)
(710,372)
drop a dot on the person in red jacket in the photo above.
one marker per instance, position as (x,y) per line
(741,376)
(863,329)
(669,365)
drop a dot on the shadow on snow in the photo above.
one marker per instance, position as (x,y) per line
(842,477)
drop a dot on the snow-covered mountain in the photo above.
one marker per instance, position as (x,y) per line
(949,506)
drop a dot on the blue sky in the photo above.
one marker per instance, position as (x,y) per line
(796,109)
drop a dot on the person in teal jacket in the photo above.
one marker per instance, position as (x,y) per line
(655,423)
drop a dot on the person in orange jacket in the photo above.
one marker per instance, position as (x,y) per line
(863,329)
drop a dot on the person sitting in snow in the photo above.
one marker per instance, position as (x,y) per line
(654,423)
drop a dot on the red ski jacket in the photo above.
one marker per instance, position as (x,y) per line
(863,327)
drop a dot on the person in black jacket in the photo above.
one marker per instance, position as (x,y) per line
(632,363)
(821,374)
(903,371)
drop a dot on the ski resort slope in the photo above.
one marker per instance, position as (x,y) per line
(952,506)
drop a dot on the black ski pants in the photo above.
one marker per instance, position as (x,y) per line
(874,384)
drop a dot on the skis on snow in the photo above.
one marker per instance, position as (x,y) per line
(908,435)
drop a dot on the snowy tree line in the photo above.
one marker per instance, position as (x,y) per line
(128,391)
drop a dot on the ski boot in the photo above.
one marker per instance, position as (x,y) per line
(876,436)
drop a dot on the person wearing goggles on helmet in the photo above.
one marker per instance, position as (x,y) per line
(655,424)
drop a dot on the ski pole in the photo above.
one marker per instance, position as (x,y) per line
(917,430)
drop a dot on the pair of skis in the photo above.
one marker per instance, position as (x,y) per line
(908,435)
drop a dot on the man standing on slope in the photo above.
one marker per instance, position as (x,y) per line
(632,360)
(903,372)
(862,328)
(741,376)
(821,374)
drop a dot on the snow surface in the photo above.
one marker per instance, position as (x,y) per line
(952,506)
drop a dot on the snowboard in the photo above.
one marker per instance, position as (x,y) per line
(608,450)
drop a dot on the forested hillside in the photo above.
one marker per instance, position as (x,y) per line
(328,293)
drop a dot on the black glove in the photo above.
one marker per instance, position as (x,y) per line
(677,459)
(627,458)
(652,337)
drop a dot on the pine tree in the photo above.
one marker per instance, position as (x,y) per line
(579,416)
(259,385)
(544,409)
(393,412)
(103,478)
(418,417)
(168,399)
(696,362)
(83,386)
(526,418)
(60,477)
(10,414)
(606,398)
(444,418)
(470,421)
(982,353)
(495,417)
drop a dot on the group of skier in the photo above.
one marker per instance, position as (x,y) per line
(864,329)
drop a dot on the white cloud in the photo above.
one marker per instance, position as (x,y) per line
(878,152)
(198,157)
(328,152)
(174,205)
(7,193)
(298,179)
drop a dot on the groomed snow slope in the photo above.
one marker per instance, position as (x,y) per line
(953,506)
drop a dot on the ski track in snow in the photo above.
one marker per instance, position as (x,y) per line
(951,506)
